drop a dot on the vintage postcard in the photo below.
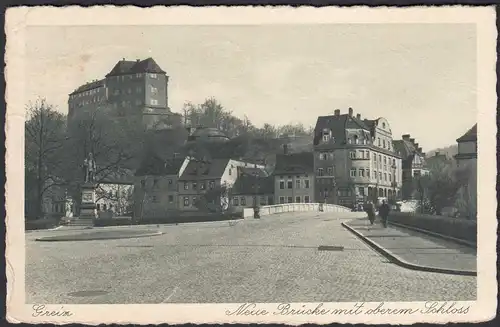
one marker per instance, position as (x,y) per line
(240,164)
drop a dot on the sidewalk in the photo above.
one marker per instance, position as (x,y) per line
(416,250)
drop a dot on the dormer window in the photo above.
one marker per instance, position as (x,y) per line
(326,135)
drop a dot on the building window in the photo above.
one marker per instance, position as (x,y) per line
(384,144)
(320,171)
(104,207)
(361,191)
(378,140)
(326,137)
(297,199)
(202,185)
(374,157)
(329,170)
(154,102)
(353,172)
(282,200)
(306,183)
(352,154)
(367,173)
(194,200)
(170,198)
(211,184)
(195,185)
(290,199)
(289,184)
(154,199)
(385,176)
(235,201)
(230,171)
(282,185)
(355,139)
(297,183)
(306,198)
(186,186)
(390,177)
(243,201)
(385,160)
(153,75)
(324,156)
(143,183)
(374,174)
(98,207)
(362,173)
(155,183)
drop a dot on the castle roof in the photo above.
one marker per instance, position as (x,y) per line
(125,67)
(89,86)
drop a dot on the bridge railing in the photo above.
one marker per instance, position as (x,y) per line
(296,207)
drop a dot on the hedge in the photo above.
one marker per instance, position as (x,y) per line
(454,227)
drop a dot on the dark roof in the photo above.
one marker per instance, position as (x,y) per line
(405,148)
(471,135)
(156,166)
(89,86)
(295,163)
(125,67)
(338,125)
(205,169)
(246,185)
(251,171)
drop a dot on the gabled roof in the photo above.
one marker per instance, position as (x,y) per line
(338,125)
(245,185)
(471,135)
(205,169)
(295,163)
(125,67)
(156,166)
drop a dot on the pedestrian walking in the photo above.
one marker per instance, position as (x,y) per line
(384,213)
(370,211)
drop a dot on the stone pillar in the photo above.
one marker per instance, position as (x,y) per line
(88,207)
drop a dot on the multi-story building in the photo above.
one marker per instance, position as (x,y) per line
(114,194)
(354,159)
(132,88)
(156,186)
(467,147)
(203,175)
(413,163)
(294,177)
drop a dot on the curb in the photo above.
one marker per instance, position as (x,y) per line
(92,237)
(399,261)
(446,237)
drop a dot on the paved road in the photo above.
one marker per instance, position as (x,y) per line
(273,259)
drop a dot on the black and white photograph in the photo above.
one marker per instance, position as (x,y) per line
(285,165)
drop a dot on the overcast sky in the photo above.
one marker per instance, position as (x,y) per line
(421,77)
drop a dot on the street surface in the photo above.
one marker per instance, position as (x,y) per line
(273,259)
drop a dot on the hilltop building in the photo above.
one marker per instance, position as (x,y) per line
(354,159)
(132,88)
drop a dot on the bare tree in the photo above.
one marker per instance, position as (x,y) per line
(44,142)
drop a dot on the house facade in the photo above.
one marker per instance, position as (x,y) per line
(354,159)
(254,186)
(156,185)
(203,175)
(294,178)
(467,148)
(114,194)
(414,164)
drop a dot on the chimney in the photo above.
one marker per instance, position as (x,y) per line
(419,150)
(406,137)
(285,148)
(358,116)
(350,112)
(416,145)
(123,59)
(337,112)
(412,140)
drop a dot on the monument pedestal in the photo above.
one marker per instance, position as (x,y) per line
(88,207)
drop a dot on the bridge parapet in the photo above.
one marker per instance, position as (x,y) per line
(297,207)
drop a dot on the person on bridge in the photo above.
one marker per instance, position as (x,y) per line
(384,213)
(370,211)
